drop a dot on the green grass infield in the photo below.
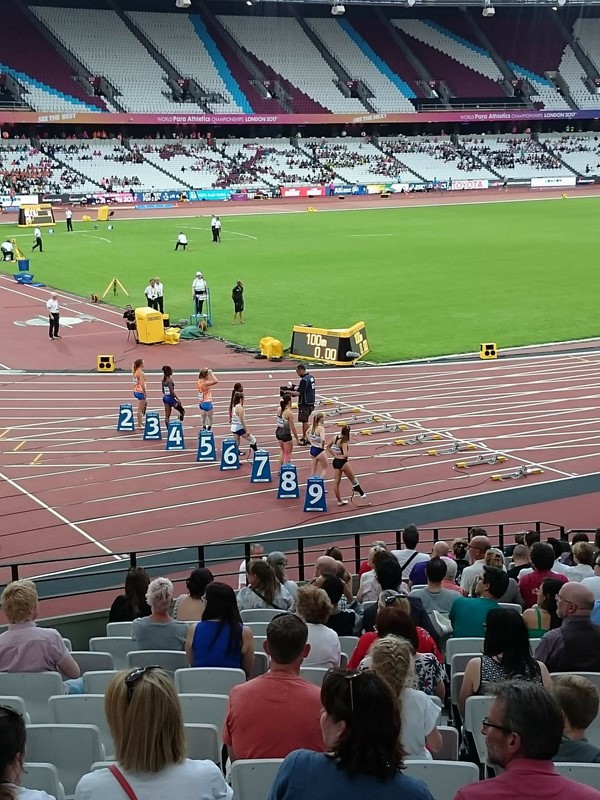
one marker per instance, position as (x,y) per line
(426,281)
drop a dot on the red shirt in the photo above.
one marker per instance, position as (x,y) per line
(529,584)
(426,645)
(272,715)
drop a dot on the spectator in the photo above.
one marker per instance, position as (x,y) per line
(523,731)
(26,648)
(131,605)
(468,614)
(460,548)
(257,551)
(361,731)
(578,699)
(325,564)
(263,590)
(389,575)
(190,607)
(257,724)
(506,656)
(278,561)
(144,716)
(543,617)
(449,581)
(433,596)
(409,556)
(392,659)
(593,584)
(575,646)
(478,547)
(583,556)
(370,586)
(495,558)
(314,607)
(417,573)
(520,557)
(367,565)
(220,639)
(347,622)
(542,560)
(559,547)
(13,734)
(159,631)
(394,621)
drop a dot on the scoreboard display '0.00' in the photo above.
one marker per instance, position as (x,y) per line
(338,346)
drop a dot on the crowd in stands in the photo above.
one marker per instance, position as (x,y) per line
(442,150)
(27,170)
(385,705)
(514,152)
(579,144)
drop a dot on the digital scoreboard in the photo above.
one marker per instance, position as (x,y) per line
(40,215)
(340,347)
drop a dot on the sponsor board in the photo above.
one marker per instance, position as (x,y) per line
(14,201)
(465,184)
(565,180)
(302,191)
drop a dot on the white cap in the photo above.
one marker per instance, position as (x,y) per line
(198,274)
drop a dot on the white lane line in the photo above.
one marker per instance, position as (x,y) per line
(58,516)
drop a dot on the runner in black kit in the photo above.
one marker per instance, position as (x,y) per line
(305,392)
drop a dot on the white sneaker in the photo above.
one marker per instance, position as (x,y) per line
(342,502)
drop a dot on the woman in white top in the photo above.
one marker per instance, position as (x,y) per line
(392,658)
(278,561)
(286,432)
(12,756)
(145,719)
(316,438)
(314,607)
(263,590)
(238,423)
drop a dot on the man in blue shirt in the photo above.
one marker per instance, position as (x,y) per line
(305,392)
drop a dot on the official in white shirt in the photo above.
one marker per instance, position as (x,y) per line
(215,226)
(181,241)
(150,292)
(160,290)
(69,218)
(7,250)
(53,316)
(199,290)
(37,235)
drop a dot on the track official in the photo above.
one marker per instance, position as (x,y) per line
(215,226)
(37,235)
(305,392)
(69,218)
(181,241)
(199,290)
(53,316)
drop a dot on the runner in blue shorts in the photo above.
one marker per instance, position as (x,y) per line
(170,399)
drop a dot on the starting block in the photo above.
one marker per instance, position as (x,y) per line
(126,422)
(492,458)
(152,431)
(314,499)
(522,472)
(457,447)
(288,482)
(334,411)
(419,438)
(389,427)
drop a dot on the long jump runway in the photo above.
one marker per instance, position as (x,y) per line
(71,484)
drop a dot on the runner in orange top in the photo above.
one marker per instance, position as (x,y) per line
(206,380)
(139,390)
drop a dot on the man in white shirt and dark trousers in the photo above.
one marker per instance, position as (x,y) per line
(199,292)
(37,235)
(181,241)
(159,289)
(150,292)
(53,316)
(215,226)
(69,218)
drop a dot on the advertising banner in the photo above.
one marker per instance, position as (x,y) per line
(16,200)
(208,194)
(302,191)
(566,180)
(464,184)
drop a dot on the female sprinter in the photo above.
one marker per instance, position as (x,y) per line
(139,390)
(286,429)
(238,423)
(170,399)
(316,437)
(338,447)
(237,389)
(206,380)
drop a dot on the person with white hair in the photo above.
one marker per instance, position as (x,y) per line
(53,316)
(159,631)
(199,292)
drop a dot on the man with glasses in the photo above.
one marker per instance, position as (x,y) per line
(478,547)
(575,646)
(523,731)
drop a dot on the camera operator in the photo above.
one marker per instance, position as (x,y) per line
(305,392)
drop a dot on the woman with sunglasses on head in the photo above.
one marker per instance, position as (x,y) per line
(360,721)
(506,656)
(145,719)
(338,447)
(12,756)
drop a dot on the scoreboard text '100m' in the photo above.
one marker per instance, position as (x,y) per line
(337,346)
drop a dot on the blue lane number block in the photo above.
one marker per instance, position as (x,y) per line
(175,439)
(152,429)
(261,468)
(230,455)
(314,499)
(206,447)
(126,421)
(288,482)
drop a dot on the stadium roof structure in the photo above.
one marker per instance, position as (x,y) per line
(417,4)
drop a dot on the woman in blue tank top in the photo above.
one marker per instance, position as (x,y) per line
(220,639)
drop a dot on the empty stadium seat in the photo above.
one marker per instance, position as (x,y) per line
(35,688)
(443,778)
(207,680)
(252,779)
(71,748)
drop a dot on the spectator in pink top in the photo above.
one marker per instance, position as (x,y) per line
(542,561)
(26,648)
